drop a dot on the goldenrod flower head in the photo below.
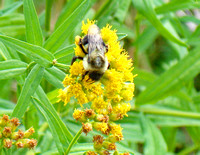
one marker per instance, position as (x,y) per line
(109,97)
(10,137)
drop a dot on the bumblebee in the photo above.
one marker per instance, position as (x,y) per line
(95,62)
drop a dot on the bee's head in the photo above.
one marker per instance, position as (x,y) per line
(97,62)
(93,29)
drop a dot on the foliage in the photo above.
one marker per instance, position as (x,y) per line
(36,48)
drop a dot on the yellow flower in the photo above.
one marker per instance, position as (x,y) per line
(113,81)
(100,106)
(122,108)
(127,91)
(87,25)
(78,51)
(116,130)
(77,68)
(79,115)
(68,80)
(101,126)
(108,35)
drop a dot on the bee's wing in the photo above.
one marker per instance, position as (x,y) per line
(95,44)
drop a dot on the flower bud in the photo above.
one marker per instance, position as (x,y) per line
(101,126)
(89,113)
(7,143)
(109,146)
(98,141)
(79,115)
(19,144)
(4,120)
(7,132)
(29,132)
(90,153)
(87,127)
(30,143)
(17,135)
(102,118)
(14,122)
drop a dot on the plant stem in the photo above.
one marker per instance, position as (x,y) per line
(76,137)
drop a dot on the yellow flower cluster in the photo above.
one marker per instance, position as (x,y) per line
(109,97)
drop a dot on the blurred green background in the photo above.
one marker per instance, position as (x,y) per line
(163,39)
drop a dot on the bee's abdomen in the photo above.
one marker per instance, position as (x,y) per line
(97,62)
(95,75)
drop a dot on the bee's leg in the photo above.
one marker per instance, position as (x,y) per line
(74,59)
(83,76)
(106,48)
(82,42)
(108,65)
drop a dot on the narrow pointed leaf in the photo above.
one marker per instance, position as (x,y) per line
(66,29)
(145,7)
(67,11)
(4,52)
(33,29)
(31,84)
(64,51)
(63,129)
(184,70)
(54,76)
(10,8)
(154,141)
(54,125)
(34,52)
(11,68)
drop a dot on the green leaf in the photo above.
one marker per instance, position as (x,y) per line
(146,39)
(62,128)
(104,13)
(34,52)
(55,127)
(4,52)
(65,30)
(54,76)
(67,11)
(176,5)
(64,51)
(121,36)
(76,137)
(29,88)
(33,29)
(122,10)
(10,8)
(145,7)
(154,141)
(11,68)
(49,4)
(6,104)
(184,70)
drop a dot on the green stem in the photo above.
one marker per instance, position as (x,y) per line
(73,141)
(159,111)
(63,66)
